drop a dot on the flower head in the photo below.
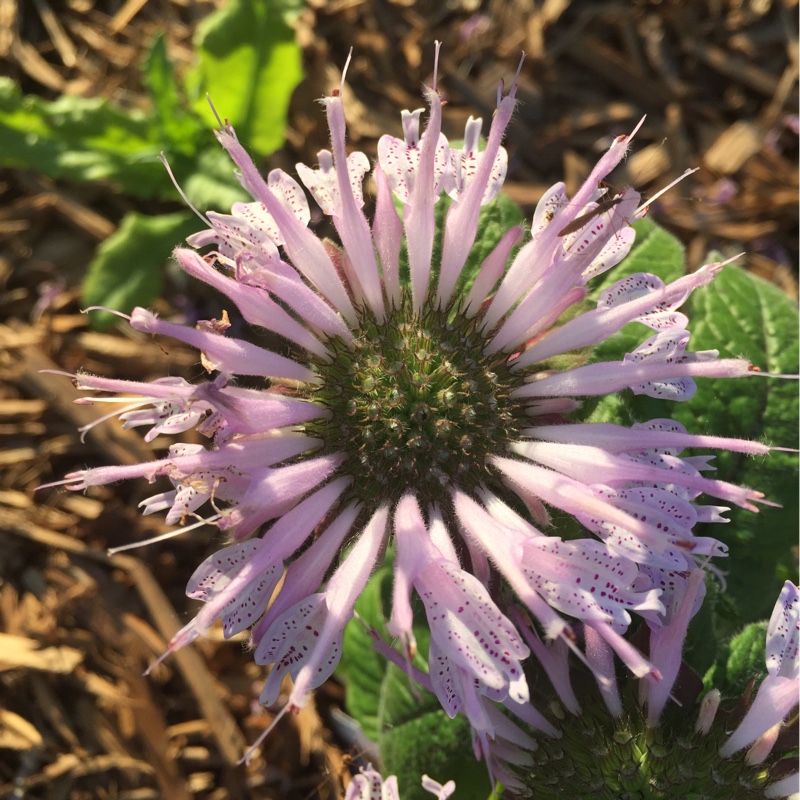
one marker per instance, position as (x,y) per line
(609,748)
(410,402)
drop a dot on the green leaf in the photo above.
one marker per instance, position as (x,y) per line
(497,792)
(249,64)
(742,660)
(176,125)
(210,182)
(495,219)
(747,659)
(742,315)
(82,140)
(127,269)
(429,743)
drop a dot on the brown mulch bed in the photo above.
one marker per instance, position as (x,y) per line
(718,82)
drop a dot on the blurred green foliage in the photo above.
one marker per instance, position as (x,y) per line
(247,60)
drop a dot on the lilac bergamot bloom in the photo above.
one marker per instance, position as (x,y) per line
(656,740)
(403,405)
(369,785)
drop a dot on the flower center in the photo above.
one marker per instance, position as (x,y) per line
(415,403)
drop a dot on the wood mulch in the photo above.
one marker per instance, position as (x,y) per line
(718,82)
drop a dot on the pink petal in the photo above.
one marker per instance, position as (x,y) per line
(783,634)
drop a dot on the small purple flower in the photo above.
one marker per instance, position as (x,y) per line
(406,402)
(368,785)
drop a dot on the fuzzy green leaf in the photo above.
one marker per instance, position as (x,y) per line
(176,125)
(495,219)
(428,743)
(82,140)
(742,315)
(747,657)
(127,269)
(249,65)
(739,315)
(742,660)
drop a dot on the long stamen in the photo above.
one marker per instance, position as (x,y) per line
(163,159)
(163,536)
(642,210)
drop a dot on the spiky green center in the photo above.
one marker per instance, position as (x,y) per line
(416,403)
(602,758)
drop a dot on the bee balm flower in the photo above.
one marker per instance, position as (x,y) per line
(609,746)
(412,406)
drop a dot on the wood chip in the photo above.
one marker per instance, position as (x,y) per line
(50,195)
(82,506)
(72,765)
(23,429)
(229,738)
(19,408)
(20,652)
(121,446)
(117,54)
(110,345)
(58,36)
(103,689)
(11,339)
(8,22)
(606,62)
(64,323)
(36,67)
(126,14)
(19,524)
(750,75)
(17,733)
(647,164)
(15,499)
(17,454)
(52,709)
(733,147)
(149,719)
(194,727)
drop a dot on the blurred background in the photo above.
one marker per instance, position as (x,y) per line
(91,91)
